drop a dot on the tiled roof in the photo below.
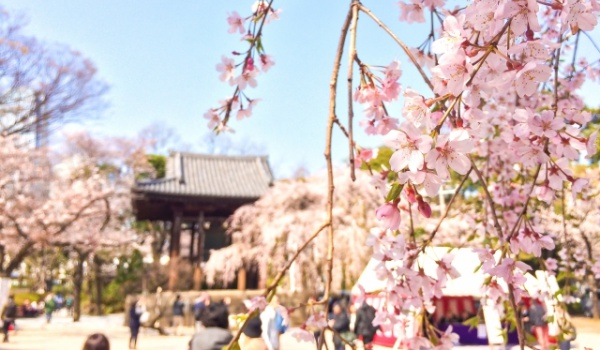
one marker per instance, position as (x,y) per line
(202,175)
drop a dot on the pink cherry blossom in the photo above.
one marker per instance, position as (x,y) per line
(551,265)
(415,110)
(256,303)
(390,215)
(530,77)
(452,37)
(267,62)
(236,23)
(578,186)
(455,70)
(424,208)
(523,14)
(580,16)
(227,69)
(450,151)
(545,124)
(247,78)
(213,118)
(412,12)
(410,145)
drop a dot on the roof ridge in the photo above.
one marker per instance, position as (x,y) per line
(155,181)
(206,155)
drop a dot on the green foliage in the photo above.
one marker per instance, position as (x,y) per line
(130,267)
(127,281)
(159,163)
(472,322)
(382,161)
(394,192)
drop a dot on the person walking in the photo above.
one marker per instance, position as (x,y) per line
(178,307)
(49,306)
(135,315)
(539,326)
(69,305)
(273,324)
(9,314)
(96,341)
(215,334)
(340,323)
(364,324)
(200,306)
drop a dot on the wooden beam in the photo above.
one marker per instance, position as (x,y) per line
(241,279)
(175,248)
(200,253)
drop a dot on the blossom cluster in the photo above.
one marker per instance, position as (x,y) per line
(242,68)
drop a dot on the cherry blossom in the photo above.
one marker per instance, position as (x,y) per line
(267,62)
(410,145)
(247,78)
(580,16)
(236,23)
(256,303)
(390,215)
(450,151)
(530,76)
(227,69)
(412,12)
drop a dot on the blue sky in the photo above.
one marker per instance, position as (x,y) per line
(159,59)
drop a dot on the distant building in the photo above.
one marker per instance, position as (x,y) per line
(198,193)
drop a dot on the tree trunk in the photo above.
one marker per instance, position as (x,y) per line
(591,277)
(77,285)
(594,296)
(98,285)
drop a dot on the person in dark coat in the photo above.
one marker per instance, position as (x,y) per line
(135,313)
(215,334)
(9,314)
(340,322)
(364,323)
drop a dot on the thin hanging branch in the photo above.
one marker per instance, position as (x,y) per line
(327,154)
(351,56)
(399,42)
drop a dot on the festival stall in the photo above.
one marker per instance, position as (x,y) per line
(461,300)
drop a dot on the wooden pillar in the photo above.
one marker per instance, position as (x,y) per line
(200,253)
(175,250)
(192,244)
(241,279)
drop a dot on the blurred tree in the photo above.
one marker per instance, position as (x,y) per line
(42,85)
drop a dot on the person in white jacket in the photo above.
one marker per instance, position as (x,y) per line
(273,324)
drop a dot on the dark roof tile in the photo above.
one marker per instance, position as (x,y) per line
(201,175)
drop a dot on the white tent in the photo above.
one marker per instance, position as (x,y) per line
(466,262)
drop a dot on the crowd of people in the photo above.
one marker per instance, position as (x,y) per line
(262,331)
(50,304)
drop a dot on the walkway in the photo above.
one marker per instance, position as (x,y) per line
(63,334)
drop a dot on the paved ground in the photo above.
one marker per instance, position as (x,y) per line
(63,334)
